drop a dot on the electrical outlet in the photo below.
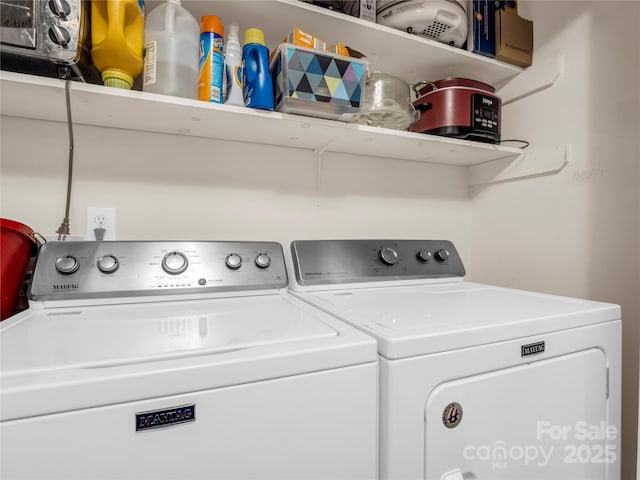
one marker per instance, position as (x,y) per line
(101,223)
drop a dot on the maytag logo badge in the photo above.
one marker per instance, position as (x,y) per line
(166,417)
(61,286)
(531,349)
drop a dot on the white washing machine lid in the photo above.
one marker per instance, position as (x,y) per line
(59,359)
(414,320)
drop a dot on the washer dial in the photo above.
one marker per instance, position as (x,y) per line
(174,263)
(107,264)
(263,260)
(67,264)
(234,261)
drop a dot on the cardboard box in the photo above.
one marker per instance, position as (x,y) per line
(303,39)
(482,25)
(338,49)
(514,39)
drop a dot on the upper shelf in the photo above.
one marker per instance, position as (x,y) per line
(43,98)
(409,57)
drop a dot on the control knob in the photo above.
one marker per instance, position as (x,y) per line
(263,260)
(60,8)
(233,261)
(424,255)
(388,256)
(59,35)
(442,254)
(67,265)
(174,263)
(108,264)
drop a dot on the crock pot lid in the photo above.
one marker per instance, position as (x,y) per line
(454,82)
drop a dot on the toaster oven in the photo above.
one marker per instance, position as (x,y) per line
(46,37)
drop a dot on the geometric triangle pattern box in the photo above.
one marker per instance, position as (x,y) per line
(315,76)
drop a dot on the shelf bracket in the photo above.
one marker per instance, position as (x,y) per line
(318,153)
(534,79)
(536,162)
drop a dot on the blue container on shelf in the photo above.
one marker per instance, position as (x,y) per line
(257,86)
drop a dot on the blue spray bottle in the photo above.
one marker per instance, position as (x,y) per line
(258,86)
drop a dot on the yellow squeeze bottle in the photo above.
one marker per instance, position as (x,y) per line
(117,35)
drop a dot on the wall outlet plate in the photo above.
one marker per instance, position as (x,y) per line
(101,223)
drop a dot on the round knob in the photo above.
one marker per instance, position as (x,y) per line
(60,8)
(59,35)
(67,265)
(174,263)
(424,256)
(442,255)
(388,256)
(263,260)
(234,261)
(107,264)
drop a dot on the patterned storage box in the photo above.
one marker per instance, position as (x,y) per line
(317,84)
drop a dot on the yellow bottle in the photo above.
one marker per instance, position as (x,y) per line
(117,35)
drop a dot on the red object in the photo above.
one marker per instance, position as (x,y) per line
(459,108)
(17,244)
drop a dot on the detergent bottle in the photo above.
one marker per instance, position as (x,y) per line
(258,86)
(171,37)
(117,36)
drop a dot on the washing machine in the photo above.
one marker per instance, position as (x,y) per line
(476,381)
(181,360)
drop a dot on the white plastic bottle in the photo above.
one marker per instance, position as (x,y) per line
(172,38)
(233,66)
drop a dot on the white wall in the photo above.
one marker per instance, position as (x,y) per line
(174,187)
(577,232)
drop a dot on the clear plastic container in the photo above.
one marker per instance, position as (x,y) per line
(117,35)
(387,103)
(171,51)
(317,84)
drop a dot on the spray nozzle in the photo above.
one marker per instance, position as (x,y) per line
(233,32)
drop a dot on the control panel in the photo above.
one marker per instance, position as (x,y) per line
(321,262)
(76,270)
(485,114)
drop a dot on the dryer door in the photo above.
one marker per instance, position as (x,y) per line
(543,420)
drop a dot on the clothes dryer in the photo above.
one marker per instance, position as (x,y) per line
(181,360)
(476,381)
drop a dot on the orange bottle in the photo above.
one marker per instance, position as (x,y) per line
(117,35)
(211,65)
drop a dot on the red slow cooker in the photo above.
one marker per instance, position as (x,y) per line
(17,245)
(459,108)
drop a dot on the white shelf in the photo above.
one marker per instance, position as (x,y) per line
(34,97)
(392,51)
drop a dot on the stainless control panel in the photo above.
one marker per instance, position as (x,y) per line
(77,270)
(320,262)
